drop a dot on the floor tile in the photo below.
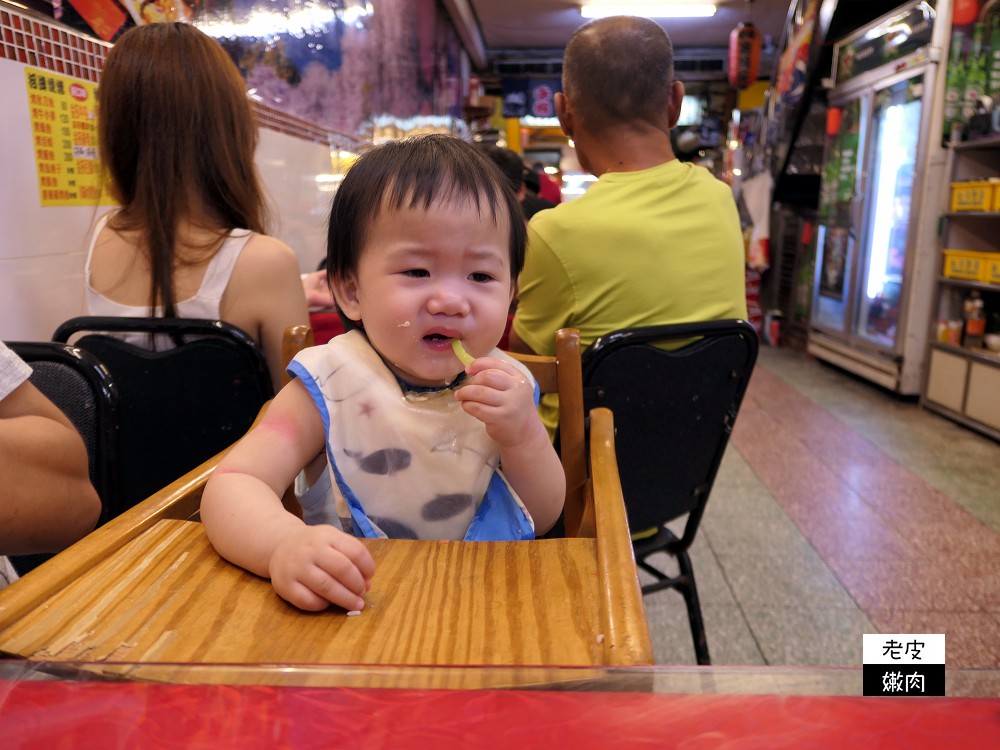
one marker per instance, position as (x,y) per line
(838,510)
(783,581)
(730,641)
(920,584)
(813,635)
(971,638)
(752,536)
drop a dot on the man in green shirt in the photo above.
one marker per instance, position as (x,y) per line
(654,240)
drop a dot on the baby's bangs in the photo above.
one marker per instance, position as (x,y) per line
(445,184)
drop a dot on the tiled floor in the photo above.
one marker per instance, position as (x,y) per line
(840,510)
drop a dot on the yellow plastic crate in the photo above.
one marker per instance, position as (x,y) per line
(964,264)
(990,273)
(972,196)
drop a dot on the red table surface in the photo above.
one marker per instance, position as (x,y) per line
(55,714)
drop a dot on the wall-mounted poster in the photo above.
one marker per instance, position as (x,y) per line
(794,61)
(64,136)
(799,49)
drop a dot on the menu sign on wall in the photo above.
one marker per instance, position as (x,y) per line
(63,114)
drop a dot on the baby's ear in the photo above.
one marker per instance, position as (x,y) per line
(345,294)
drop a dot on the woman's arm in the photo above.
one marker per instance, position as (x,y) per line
(46,499)
(265,296)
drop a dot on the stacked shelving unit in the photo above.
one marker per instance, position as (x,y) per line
(963,382)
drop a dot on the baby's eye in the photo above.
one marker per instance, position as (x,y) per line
(481,277)
(416,273)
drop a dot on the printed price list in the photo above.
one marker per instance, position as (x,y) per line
(63,114)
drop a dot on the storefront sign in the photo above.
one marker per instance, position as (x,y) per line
(534,97)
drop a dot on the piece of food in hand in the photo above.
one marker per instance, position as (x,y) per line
(466,358)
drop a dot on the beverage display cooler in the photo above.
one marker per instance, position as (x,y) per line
(880,197)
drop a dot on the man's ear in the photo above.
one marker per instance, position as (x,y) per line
(564,112)
(676,100)
(345,294)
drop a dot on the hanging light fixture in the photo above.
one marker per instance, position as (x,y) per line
(647,8)
(744,53)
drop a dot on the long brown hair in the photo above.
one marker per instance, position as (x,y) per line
(177,138)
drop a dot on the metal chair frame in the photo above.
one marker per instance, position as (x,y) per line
(179,406)
(675,391)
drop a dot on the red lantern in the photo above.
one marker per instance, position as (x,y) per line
(964,12)
(744,55)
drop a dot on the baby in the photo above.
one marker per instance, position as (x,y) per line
(425,245)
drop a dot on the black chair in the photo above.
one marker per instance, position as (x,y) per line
(79,384)
(674,409)
(179,406)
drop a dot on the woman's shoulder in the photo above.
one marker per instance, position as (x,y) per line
(264,254)
(264,246)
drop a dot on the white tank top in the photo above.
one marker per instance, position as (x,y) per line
(204,304)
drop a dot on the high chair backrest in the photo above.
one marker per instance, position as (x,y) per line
(294,340)
(562,374)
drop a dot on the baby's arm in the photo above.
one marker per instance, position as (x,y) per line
(502,398)
(309,566)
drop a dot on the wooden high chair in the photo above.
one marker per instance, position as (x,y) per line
(148,588)
(562,374)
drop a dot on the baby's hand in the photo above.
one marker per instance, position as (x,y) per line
(314,566)
(501,397)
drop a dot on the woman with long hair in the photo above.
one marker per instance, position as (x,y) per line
(177,137)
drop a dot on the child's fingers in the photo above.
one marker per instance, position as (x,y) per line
(491,363)
(352,548)
(333,589)
(344,570)
(299,595)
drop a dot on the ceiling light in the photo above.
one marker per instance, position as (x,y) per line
(604,8)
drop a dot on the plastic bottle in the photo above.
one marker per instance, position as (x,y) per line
(975,320)
(990,16)
(955,84)
(976,74)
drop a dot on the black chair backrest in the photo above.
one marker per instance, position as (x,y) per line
(79,384)
(674,410)
(180,406)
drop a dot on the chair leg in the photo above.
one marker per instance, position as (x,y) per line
(690,592)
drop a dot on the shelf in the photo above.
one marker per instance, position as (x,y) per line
(979,144)
(961,382)
(963,420)
(965,284)
(979,355)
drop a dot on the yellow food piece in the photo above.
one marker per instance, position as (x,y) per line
(464,356)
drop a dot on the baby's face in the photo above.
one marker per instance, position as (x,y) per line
(427,277)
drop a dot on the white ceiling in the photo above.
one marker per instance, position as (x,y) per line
(548,24)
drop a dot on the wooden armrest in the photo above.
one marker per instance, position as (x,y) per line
(626,636)
(294,340)
(181,499)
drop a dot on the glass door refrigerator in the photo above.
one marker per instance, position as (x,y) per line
(879,200)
